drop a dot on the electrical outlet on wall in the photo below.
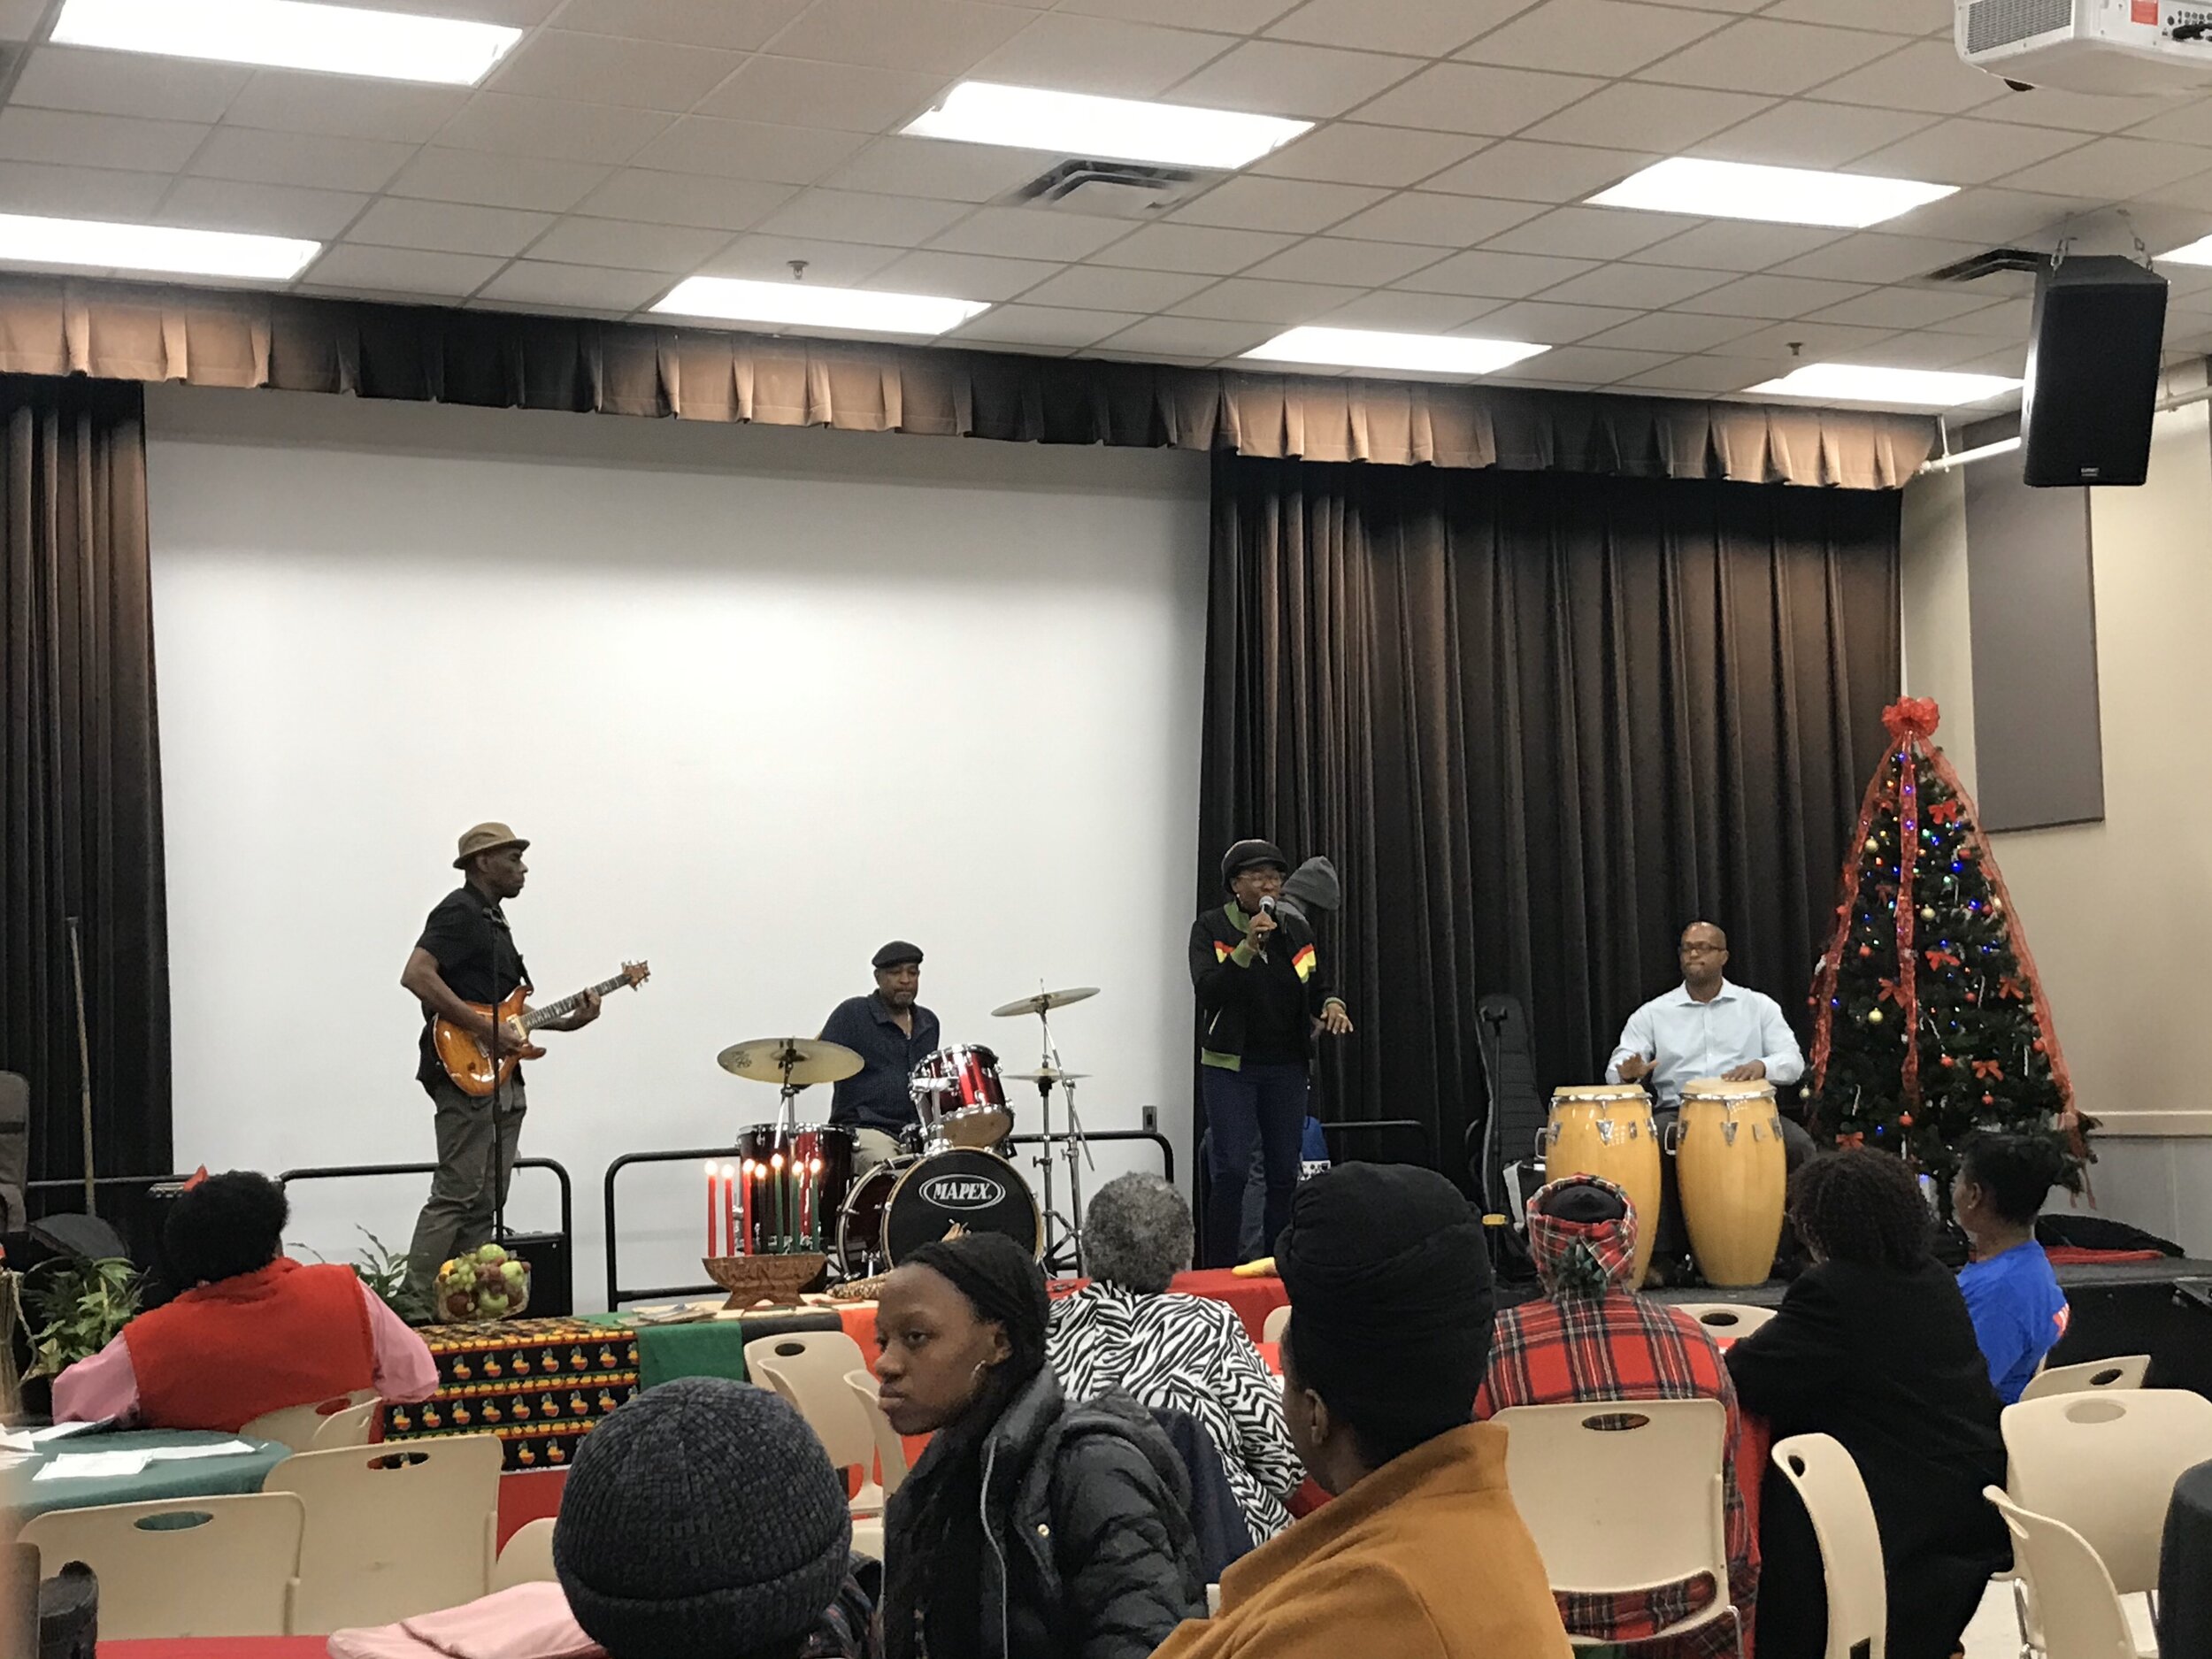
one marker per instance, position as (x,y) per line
(1152,1120)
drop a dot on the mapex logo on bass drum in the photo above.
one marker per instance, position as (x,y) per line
(963,1191)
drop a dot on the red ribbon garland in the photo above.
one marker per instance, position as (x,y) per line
(1907,851)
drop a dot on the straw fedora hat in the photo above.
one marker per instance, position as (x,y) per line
(485,838)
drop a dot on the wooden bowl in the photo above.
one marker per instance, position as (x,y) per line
(751,1279)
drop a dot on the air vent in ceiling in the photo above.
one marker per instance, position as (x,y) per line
(1122,189)
(1975,266)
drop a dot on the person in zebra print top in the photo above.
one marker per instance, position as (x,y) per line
(1126,1330)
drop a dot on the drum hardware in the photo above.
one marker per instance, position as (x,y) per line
(1064,1238)
(911,1201)
(958,1099)
(1043,1002)
(794,1062)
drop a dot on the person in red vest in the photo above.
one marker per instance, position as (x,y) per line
(256,1333)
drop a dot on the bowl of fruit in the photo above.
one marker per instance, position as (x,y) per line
(485,1283)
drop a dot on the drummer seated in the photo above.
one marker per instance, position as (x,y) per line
(1590,1337)
(256,1333)
(1705,1027)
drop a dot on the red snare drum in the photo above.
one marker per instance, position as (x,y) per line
(959,1100)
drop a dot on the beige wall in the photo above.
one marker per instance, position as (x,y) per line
(2119,913)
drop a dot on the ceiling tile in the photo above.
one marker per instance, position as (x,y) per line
(1251,204)
(793,92)
(1985,214)
(1441,221)
(1805,134)
(449,228)
(1922,349)
(470,176)
(1033,232)
(1044,326)
(1776,297)
(1191,337)
(1704,375)
(1208,248)
(1575,366)
(684,198)
(1477,98)
(1904,307)
(1495,275)
(601,69)
(551,126)
(1245,300)
(2188,122)
(31,187)
(944,171)
(1339,259)
(857,216)
(1591,37)
(1408,313)
(1963,151)
(1674,331)
(1521,171)
(749,149)
(314,160)
(1346,152)
(1760,55)
(1423,28)
(20,18)
(1870,257)
(1736,245)
(1926,75)
(2103,165)
(2010,319)
(1543,322)
(1226,17)
(945,37)
(2046,107)
(292,101)
(1636,287)
(70,139)
(628,246)
(123,83)
(1100,55)
(519,14)
(765,258)
(736,25)
(1806,341)
(1629,114)
(267,209)
(1280,78)
(1099,288)
(351,268)
(965,276)
(584,286)
(1591,232)
(1894,17)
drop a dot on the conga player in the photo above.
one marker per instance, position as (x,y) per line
(893,1033)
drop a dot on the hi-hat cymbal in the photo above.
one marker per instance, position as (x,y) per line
(1043,1001)
(1045,1074)
(800,1061)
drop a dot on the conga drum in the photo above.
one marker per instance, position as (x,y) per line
(1605,1130)
(1730,1160)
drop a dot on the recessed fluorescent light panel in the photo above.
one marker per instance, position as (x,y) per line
(2197,252)
(1118,129)
(287,34)
(103,246)
(1374,348)
(1787,196)
(863,310)
(1850,383)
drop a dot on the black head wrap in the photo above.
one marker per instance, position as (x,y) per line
(1003,1283)
(1391,1298)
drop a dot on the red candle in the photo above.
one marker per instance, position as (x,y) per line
(729,1207)
(745,1206)
(710,1208)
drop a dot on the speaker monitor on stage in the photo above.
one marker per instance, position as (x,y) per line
(2093,372)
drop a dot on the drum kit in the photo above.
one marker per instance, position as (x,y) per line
(954,1172)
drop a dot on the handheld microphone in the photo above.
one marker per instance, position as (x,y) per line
(1267,909)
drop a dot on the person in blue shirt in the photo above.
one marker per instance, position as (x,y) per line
(2019,1312)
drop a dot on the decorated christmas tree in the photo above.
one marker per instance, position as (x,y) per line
(1930,1022)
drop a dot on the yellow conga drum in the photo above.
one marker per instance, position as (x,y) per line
(1732,1167)
(1605,1130)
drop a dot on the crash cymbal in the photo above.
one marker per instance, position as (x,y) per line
(1043,1001)
(1046,1074)
(799,1061)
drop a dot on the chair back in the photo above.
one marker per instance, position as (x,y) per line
(868,1537)
(890,1449)
(2105,1465)
(2077,1606)
(1828,1484)
(353,1427)
(394,1530)
(2125,1370)
(1725,1321)
(808,1368)
(527,1557)
(1658,1464)
(1277,1322)
(296,1426)
(183,1566)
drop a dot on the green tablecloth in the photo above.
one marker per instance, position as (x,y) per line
(185,1477)
(714,1347)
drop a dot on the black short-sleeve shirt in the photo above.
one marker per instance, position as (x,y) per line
(468,937)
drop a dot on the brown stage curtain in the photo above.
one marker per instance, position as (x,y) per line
(80,775)
(135,332)
(1541,724)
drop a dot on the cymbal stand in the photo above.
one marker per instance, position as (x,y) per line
(1060,1234)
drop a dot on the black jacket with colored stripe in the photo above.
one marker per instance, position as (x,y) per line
(1222,970)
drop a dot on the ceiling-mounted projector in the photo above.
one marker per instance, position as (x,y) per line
(2117,47)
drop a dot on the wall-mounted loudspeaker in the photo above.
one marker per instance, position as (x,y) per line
(2092,372)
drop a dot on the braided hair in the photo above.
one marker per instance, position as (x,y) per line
(1861,1206)
(2016,1170)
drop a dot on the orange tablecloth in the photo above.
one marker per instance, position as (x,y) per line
(1254,1299)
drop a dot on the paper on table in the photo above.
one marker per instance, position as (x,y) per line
(62,1430)
(164,1453)
(90,1465)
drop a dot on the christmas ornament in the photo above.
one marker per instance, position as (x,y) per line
(1872,845)
(1865,952)
(1904,1120)
(1873,1015)
(1927,912)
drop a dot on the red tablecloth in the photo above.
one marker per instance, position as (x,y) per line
(1254,1299)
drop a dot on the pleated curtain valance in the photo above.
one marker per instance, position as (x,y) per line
(133,332)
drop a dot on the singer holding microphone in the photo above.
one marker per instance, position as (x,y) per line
(1261,1000)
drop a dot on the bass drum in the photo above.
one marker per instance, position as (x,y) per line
(898,1206)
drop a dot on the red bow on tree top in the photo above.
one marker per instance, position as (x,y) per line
(1912,717)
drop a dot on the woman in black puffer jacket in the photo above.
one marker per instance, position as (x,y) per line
(1029,1529)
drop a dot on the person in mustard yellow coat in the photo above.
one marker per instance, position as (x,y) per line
(1420,1553)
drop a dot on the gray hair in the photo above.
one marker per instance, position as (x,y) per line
(1137,1233)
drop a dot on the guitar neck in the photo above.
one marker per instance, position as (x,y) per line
(568,1005)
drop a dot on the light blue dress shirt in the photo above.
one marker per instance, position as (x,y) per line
(1684,1038)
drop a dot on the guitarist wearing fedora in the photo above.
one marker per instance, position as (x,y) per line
(465,960)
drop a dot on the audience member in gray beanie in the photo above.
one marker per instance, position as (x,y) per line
(702,1520)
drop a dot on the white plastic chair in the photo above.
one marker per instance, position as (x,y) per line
(1725,1321)
(394,1530)
(183,1566)
(1828,1484)
(2125,1370)
(2104,1465)
(1658,1462)
(868,1536)
(527,1557)
(296,1426)
(890,1449)
(2079,1609)
(808,1368)
(1277,1322)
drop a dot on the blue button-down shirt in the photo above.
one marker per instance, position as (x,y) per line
(876,1097)
(1684,1038)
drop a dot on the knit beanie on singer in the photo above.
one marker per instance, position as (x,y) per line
(701,1518)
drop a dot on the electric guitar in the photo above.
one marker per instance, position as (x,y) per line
(467,1057)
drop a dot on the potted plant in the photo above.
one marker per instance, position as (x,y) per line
(77,1305)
